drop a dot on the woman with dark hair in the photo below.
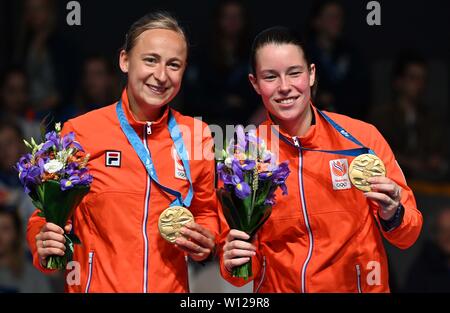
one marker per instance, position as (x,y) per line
(143,161)
(325,235)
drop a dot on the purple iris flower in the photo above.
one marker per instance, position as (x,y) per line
(72,169)
(52,139)
(280,175)
(30,177)
(265,175)
(77,146)
(237,169)
(45,147)
(270,200)
(241,188)
(224,176)
(86,179)
(70,182)
(246,165)
(24,162)
(69,139)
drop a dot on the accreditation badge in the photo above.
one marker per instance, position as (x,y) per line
(363,167)
(172,220)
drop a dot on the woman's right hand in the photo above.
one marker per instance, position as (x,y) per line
(237,251)
(51,241)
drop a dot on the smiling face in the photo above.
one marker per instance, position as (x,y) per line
(155,67)
(283,80)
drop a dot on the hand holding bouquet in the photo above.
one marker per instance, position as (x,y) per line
(55,176)
(251,176)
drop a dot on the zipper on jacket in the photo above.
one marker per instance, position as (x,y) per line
(305,214)
(149,128)
(145,219)
(263,276)
(91,262)
(358,278)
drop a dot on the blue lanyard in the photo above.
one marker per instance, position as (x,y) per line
(348,152)
(146,157)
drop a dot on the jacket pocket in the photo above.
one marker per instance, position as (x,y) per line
(358,278)
(90,270)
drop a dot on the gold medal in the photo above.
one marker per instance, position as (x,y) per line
(172,220)
(363,167)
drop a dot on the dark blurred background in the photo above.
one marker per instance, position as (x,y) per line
(394,75)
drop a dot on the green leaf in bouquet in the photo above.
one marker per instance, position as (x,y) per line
(37,204)
(230,211)
(73,238)
(259,217)
(58,205)
(262,193)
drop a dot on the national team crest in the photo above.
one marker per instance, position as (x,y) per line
(178,165)
(339,174)
(113,158)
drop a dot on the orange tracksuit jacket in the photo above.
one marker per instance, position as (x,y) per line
(117,222)
(319,239)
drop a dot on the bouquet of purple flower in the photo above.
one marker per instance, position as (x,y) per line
(251,176)
(55,177)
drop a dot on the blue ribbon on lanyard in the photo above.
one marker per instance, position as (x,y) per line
(146,157)
(348,152)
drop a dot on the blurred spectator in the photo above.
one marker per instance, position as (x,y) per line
(430,272)
(50,62)
(11,190)
(98,87)
(417,135)
(14,101)
(221,90)
(342,74)
(17,274)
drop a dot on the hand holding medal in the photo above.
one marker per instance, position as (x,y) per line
(364,167)
(172,220)
(176,225)
(368,173)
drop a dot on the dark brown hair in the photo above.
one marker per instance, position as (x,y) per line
(280,35)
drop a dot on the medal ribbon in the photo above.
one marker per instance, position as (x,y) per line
(146,157)
(340,130)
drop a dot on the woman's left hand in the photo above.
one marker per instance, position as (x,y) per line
(386,193)
(198,242)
